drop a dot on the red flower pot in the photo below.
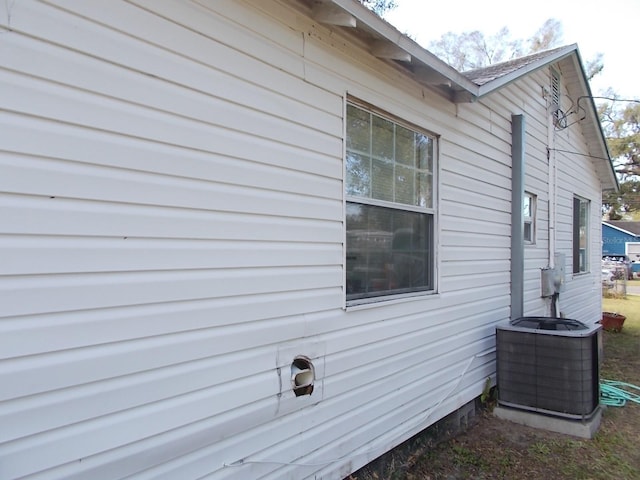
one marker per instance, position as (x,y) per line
(612,322)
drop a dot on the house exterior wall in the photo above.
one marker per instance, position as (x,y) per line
(617,242)
(614,241)
(557,169)
(173,231)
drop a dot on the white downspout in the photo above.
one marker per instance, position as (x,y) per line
(553,197)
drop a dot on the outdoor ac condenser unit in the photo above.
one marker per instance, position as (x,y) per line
(549,365)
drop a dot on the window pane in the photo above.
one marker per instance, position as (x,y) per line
(358,129)
(405,183)
(358,181)
(425,152)
(528,232)
(424,193)
(405,146)
(382,184)
(388,251)
(382,138)
(527,206)
(583,235)
(580,235)
(529,217)
(387,161)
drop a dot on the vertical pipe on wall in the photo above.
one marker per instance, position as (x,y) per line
(517,215)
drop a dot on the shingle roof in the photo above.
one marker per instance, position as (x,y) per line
(483,75)
(632,227)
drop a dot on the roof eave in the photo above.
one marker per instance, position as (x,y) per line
(391,44)
(628,232)
(394,45)
(511,77)
(591,111)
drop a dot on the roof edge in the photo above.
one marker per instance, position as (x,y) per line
(559,54)
(420,57)
(604,222)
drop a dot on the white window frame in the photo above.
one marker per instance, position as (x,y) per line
(581,234)
(529,218)
(428,210)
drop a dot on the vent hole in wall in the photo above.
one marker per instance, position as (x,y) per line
(302,376)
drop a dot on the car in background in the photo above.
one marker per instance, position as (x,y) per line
(608,278)
(614,262)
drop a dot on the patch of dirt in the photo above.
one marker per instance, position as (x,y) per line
(498,449)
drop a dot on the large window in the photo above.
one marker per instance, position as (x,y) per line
(580,235)
(389,214)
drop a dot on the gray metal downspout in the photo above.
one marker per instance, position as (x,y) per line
(517,215)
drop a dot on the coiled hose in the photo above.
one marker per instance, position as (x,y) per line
(616,394)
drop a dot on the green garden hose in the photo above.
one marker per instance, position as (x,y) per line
(617,394)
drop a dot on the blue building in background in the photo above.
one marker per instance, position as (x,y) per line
(622,239)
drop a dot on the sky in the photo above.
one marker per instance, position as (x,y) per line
(610,27)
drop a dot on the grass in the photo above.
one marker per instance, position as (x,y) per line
(622,350)
(497,449)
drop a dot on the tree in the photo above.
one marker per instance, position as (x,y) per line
(594,66)
(616,204)
(620,121)
(548,35)
(380,6)
(470,50)
(621,126)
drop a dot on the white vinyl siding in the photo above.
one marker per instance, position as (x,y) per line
(172,198)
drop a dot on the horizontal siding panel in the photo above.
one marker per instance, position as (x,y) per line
(59,216)
(31,335)
(337,419)
(26,416)
(416,401)
(28,295)
(217,89)
(474,226)
(454,253)
(68,105)
(458,211)
(65,180)
(230,152)
(39,255)
(424,312)
(68,444)
(36,374)
(177,443)
(472,266)
(474,239)
(460,162)
(120,44)
(498,201)
(477,280)
(388,350)
(483,150)
(497,293)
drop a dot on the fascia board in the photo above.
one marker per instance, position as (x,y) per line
(365,18)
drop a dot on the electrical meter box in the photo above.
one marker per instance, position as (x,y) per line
(553,279)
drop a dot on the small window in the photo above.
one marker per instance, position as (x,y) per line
(529,218)
(580,235)
(389,213)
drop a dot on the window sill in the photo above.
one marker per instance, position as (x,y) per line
(356,305)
